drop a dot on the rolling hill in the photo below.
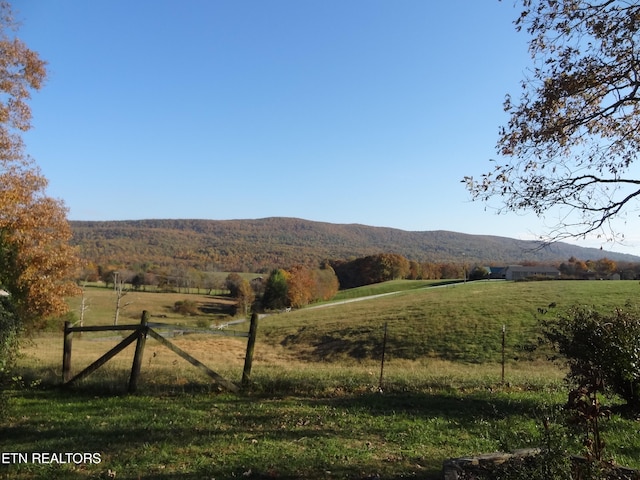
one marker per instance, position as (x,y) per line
(261,244)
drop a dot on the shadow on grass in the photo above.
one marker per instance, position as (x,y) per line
(446,404)
(214,308)
(191,435)
(366,342)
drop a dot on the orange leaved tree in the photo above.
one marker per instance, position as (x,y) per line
(36,260)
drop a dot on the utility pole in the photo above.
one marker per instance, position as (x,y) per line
(464,266)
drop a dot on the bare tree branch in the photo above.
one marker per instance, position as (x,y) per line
(575,130)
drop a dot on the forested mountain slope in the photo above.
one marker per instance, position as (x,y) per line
(254,245)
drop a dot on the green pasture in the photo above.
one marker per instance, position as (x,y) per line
(320,406)
(313,422)
(458,322)
(351,435)
(387,287)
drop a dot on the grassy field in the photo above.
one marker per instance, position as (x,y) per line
(461,322)
(315,409)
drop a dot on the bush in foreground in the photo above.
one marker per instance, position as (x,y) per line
(602,349)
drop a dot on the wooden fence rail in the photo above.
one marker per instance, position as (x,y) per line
(139,335)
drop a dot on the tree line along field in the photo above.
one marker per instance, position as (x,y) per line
(314,409)
(260,245)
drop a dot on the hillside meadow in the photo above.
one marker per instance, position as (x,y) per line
(320,404)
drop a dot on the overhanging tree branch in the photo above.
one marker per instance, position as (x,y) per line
(575,130)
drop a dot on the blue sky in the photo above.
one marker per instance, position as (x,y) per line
(357,111)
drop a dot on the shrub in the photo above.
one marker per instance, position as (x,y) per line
(9,328)
(602,349)
(9,333)
(186,307)
(203,323)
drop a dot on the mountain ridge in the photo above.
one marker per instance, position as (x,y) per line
(264,243)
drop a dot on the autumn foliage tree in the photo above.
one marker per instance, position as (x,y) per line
(233,282)
(326,283)
(299,286)
(246,297)
(36,260)
(573,268)
(574,132)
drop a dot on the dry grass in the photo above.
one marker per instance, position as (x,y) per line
(224,355)
(275,368)
(435,336)
(101,302)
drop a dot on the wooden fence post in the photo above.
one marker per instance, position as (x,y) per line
(504,330)
(248,359)
(137,358)
(66,353)
(384,349)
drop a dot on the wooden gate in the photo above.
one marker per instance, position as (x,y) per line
(139,334)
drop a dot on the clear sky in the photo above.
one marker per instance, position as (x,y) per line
(341,111)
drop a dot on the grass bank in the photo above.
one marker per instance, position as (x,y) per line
(304,421)
(461,322)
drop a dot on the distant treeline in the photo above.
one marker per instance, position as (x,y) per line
(352,273)
(602,268)
(174,247)
(301,285)
(390,266)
